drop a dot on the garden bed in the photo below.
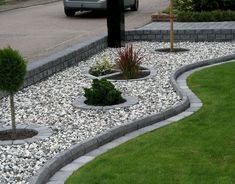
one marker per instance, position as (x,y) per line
(188,143)
(49,103)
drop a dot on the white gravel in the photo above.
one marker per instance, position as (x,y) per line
(50,103)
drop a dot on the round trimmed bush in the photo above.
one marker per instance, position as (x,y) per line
(102,92)
(12,70)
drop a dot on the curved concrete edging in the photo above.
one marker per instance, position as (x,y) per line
(78,150)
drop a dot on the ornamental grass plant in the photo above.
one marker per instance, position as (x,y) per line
(128,61)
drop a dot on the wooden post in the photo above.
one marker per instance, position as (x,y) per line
(171,27)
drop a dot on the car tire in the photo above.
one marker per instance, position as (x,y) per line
(69,12)
(135,7)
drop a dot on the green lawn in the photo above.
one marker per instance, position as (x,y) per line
(199,149)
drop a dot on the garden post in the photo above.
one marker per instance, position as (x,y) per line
(115,23)
(13,116)
(171,27)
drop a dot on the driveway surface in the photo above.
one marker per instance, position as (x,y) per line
(39,31)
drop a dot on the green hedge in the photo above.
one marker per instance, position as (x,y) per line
(188,16)
(204,5)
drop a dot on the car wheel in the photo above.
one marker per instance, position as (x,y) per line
(135,6)
(69,12)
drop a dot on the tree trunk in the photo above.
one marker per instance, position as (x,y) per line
(172,27)
(13,116)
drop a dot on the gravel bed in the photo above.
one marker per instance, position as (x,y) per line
(50,103)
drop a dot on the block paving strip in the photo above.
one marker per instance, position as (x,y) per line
(58,169)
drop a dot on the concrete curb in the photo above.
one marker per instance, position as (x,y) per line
(78,150)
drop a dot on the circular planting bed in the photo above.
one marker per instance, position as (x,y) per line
(25,134)
(20,134)
(50,103)
(116,75)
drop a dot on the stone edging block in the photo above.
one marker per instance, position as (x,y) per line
(62,159)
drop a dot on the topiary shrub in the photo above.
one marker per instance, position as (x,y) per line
(12,73)
(102,93)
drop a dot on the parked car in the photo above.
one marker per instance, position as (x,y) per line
(71,6)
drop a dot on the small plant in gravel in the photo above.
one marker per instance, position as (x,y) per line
(102,93)
(101,68)
(12,73)
(128,61)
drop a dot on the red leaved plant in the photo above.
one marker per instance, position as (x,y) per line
(128,61)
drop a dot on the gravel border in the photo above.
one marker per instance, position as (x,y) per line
(65,157)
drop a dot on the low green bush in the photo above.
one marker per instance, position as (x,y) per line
(188,16)
(102,93)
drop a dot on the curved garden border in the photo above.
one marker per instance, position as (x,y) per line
(65,157)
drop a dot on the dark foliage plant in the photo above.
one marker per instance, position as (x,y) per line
(206,16)
(12,73)
(103,93)
(128,61)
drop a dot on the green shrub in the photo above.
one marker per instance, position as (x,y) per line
(102,93)
(183,5)
(206,16)
(102,68)
(204,5)
(128,61)
(12,70)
